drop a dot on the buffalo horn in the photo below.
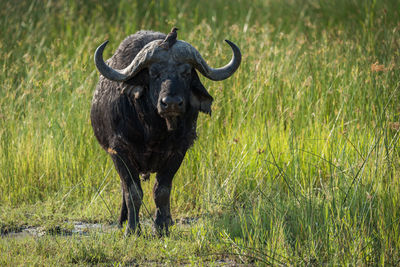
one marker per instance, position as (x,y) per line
(181,51)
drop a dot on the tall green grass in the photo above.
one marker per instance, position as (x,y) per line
(300,161)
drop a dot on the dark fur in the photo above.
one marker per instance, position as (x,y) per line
(130,129)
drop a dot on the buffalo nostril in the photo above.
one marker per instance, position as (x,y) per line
(179,102)
(164,102)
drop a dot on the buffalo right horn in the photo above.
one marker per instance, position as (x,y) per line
(142,59)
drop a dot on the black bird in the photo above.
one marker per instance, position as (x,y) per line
(170,40)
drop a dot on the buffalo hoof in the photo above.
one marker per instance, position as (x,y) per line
(161,225)
(130,231)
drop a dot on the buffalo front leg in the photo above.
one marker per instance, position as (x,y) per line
(132,194)
(162,192)
(163,219)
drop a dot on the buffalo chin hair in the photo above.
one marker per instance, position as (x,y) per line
(172,123)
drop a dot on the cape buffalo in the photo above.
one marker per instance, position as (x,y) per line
(144,113)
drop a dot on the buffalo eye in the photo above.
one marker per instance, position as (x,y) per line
(185,71)
(154,72)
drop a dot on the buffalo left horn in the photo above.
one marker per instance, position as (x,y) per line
(189,54)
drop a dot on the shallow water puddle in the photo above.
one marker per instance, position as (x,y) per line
(81,228)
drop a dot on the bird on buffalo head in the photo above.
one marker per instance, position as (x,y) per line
(170,40)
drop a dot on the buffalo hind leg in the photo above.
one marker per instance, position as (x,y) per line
(123,216)
(132,194)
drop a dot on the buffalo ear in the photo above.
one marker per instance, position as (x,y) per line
(199,97)
(135,87)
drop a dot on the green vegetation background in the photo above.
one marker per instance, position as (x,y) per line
(299,163)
